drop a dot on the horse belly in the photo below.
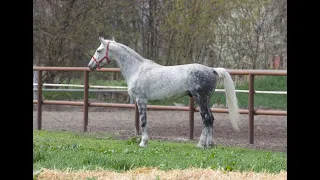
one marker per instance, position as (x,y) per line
(167,89)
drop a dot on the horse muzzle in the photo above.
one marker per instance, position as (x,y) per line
(92,66)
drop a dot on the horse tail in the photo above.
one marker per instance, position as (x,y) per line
(231,97)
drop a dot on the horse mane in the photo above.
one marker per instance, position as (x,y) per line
(131,52)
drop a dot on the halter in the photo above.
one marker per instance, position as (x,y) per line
(105,57)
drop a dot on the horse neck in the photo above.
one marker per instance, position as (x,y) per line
(128,63)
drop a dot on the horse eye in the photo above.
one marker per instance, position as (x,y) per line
(98,51)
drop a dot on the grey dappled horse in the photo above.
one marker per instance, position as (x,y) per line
(147,80)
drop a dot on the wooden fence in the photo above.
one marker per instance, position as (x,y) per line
(86,104)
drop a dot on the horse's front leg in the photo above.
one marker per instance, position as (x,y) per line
(142,107)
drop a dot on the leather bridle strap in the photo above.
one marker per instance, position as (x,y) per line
(105,57)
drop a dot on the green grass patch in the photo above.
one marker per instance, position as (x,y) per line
(52,95)
(61,150)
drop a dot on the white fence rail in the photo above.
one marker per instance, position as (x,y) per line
(94,88)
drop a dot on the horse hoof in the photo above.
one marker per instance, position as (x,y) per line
(142,145)
(200,146)
(210,146)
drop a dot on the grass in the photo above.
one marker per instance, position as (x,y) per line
(263,83)
(89,151)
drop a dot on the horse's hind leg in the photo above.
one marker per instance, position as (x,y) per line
(206,138)
(142,106)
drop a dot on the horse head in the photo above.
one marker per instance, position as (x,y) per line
(101,55)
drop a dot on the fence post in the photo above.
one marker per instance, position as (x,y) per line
(39,98)
(191,117)
(35,80)
(85,99)
(251,108)
(136,118)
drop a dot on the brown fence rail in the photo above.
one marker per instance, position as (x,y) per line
(86,104)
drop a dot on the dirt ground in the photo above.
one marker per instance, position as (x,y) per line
(270,132)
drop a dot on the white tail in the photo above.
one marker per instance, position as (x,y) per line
(231,97)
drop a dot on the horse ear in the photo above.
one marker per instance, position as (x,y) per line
(102,40)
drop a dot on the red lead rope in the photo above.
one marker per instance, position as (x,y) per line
(105,57)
